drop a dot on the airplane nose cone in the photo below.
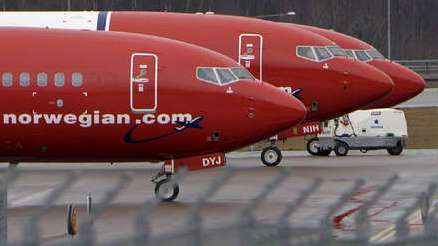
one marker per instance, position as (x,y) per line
(283,110)
(277,108)
(407,84)
(346,85)
(413,85)
(370,84)
(272,110)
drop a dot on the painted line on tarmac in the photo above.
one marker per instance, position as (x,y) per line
(29,198)
(390,231)
(414,218)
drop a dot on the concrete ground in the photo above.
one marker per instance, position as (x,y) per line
(416,168)
(428,98)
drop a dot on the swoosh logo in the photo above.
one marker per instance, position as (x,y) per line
(296,93)
(192,124)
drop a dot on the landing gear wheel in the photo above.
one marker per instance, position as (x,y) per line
(396,150)
(166,190)
(324,152)
(271,156)
(313,146)
(341,149)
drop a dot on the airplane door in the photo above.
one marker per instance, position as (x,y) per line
(144,81)
(250,53)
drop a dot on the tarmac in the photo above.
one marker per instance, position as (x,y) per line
(428,98)
(416,169)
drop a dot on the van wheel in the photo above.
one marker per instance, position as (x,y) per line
(271,156)
(324,152)
(313,146)
(396,150)
(341,149)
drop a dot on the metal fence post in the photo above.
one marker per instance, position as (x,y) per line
(431,223)
(3,212)
(363,227)
(142,226)
(9,178)
(87,234)
(31,231)
(326,223)
(194,221)
(285,230)
(247,222)
(402,226)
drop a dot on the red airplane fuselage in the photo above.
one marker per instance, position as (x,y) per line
(328,87)
(407,83)
(93,96)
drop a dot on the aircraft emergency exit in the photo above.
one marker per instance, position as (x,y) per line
(407,83)
(113,97)
(288,57)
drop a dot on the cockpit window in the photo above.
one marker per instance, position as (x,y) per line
(362,55)
(319,53)
(242,73)
(207,74)
(336,51)
(225,75)
(306,53)
(349,53)
(375,54)
(322,53)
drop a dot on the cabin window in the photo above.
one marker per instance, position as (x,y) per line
(306,53)
(362,55)
(375,54)
(7,79)
(242,73)
(322,53)
(225,75)
(207,74)
(76,79)
(42,79)
(336,51)
(59,79)
(24,79)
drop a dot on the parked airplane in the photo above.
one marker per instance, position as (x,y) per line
(113,97)
(407,83)
(289,57)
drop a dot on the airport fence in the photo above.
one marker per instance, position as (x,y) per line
(426,68)
(246,230)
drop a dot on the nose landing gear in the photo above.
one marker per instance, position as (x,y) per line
(166,189)
(271,156)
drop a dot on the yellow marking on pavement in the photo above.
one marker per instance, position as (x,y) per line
(414,218)
(382,233)
(390,231)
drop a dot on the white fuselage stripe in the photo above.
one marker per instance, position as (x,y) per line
(84,20)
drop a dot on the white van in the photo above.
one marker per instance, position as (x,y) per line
(362,130)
